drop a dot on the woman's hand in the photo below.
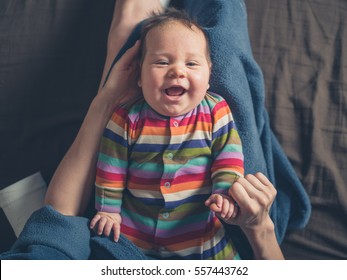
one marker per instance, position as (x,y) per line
(121,85)
(126,15)
(254,195)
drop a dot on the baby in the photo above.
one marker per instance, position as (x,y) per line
(167,161)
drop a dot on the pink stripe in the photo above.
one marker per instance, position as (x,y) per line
(137,226)
(111,169)
(228,155)
(109,209)
(164,232)
(190,170)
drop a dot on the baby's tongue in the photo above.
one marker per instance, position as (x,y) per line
(174,91)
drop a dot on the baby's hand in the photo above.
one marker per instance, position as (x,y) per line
(224,206)
(106,223)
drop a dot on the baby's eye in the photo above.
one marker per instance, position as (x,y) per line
(162,62)
(192,64)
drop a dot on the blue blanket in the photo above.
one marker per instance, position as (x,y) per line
(236,76)
(49,235)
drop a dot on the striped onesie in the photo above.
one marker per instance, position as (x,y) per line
(157,171)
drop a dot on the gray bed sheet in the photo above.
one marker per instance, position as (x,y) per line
(301,46)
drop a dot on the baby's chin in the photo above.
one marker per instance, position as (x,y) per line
(172,112)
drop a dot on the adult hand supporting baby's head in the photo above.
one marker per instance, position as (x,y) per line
(121,85)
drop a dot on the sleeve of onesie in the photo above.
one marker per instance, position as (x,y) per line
(112,164)
(226,149)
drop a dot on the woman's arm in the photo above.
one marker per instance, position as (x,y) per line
(263,241)
(254,195)
(70,188)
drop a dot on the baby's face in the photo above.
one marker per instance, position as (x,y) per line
(175,71)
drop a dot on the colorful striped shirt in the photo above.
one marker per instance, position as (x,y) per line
(157,171)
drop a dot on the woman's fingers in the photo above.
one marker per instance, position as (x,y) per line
(239,193)
(254,194)
(253,187)
(128,57)
(266,191)
(121,71)
(266,185)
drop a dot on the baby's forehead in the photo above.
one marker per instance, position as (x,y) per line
(176,27)
(174,24)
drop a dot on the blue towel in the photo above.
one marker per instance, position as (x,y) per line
(49,235)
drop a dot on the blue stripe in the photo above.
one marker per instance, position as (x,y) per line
(109,134)
(190,144)
(224,130)
(157,148)
(149,148)
(215,250)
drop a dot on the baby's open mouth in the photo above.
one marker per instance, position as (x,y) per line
(175,91)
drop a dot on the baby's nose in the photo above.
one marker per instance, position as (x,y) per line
(177,72)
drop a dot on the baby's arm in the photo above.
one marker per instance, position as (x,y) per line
(227,164)
(106,223)
(223,205)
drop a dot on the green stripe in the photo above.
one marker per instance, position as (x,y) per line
(112,161)
(229,148)
(146,166)
(108,201)
(138,218)
(108,144)
(192,152)
(164,224)
(233,148)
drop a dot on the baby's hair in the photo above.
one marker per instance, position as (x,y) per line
(170,15)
